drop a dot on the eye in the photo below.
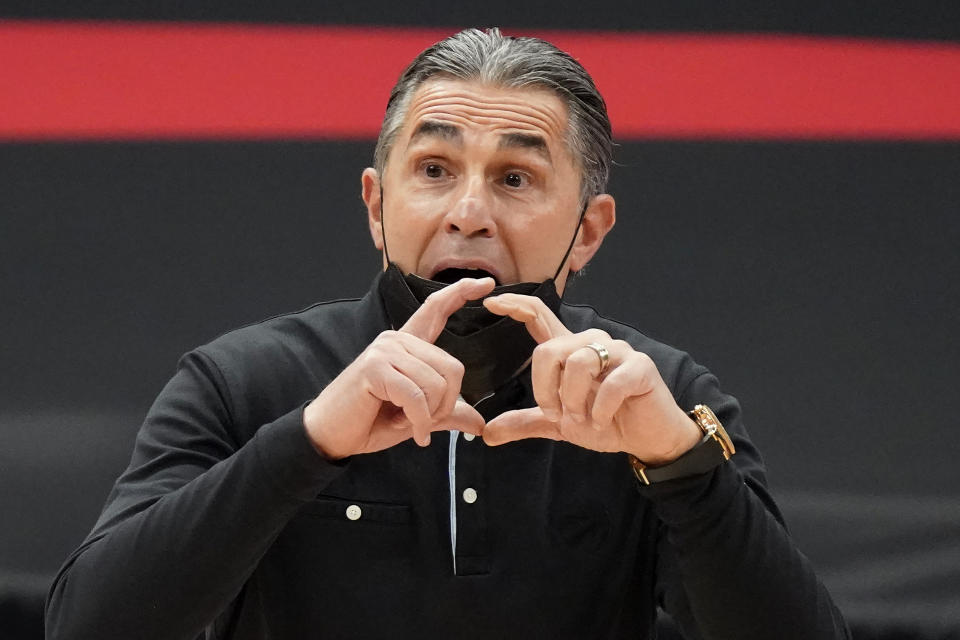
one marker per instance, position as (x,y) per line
(433,171)
(514,180)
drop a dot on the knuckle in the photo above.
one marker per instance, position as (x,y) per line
(579,360)
(545,351)
(644,360)
(417,394)
(540,352)
(438,387)
(438,296)
(373,354)
(401,337)
(597,334)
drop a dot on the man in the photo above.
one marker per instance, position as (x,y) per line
(318,474)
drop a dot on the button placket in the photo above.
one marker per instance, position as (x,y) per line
(472,551)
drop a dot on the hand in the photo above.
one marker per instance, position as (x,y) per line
(626,407)
(401,386)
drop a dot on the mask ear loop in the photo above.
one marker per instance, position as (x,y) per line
(583,212)
(563,261)
(383,232)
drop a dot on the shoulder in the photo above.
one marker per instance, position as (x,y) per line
(676,366)
(267,368)
(317,326)
(286,351)
(689,382)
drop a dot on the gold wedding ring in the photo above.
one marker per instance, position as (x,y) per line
(602,353)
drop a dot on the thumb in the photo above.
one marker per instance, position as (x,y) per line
(520,424)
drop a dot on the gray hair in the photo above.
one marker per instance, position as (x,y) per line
(505,61)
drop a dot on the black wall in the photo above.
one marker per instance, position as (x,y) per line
(819,280)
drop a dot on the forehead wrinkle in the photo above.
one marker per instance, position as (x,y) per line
(516,136)
(439,96)
(525,110)
(536,117)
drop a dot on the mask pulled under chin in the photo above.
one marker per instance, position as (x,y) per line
(492,348)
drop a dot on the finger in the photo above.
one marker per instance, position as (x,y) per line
(531,311)
(628,380)
(549,360)
(580,371)
(433,385)
(463,418)
(518,425)
(392,386)
(448,367)
(428,321)
(547,371)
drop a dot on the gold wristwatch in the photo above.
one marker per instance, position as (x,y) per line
(714,449)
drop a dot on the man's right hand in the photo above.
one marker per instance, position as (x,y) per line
(401,386)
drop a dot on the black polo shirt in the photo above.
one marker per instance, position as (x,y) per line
(228,521)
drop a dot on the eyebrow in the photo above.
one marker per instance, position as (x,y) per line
(526,141)
(432,128)
(452,133)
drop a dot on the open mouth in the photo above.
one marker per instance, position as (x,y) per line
(449,276)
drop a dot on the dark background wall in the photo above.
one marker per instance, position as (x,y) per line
(818,279)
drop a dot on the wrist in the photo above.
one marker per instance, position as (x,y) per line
(311,424)
(686,436)
(714,448)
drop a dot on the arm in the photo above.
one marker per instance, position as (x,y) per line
(188,521)
(210,487)
(729,568)
(726,565)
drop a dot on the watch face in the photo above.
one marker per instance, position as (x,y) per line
(709,422)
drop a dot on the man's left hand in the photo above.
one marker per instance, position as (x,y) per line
(623,406)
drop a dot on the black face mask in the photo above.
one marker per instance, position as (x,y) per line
(492,348)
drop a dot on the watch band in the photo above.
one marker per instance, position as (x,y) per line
(714,449)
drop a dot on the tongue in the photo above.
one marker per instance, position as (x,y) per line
(452,275)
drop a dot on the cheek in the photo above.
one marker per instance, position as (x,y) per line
(537,245)
(408,232)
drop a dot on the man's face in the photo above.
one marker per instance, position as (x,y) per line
(479,178)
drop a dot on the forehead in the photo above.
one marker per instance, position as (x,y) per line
(482,108)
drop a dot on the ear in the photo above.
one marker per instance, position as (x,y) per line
(599,218)
(370,193)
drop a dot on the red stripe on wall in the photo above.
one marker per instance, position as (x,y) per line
(187,80)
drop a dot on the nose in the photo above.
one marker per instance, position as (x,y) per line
(471,214)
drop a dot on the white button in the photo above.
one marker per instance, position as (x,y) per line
(469,495)
(469,437)
(354,512)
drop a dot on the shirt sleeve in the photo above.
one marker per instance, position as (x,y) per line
(189,520)
(727,568)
